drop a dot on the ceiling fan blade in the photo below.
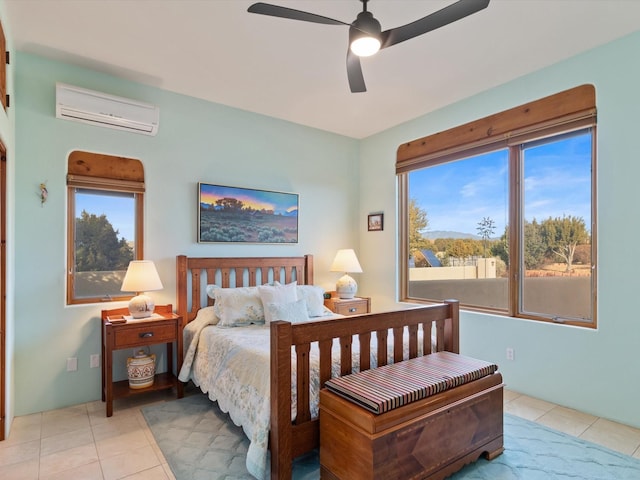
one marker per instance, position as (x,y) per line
(354,73)
(290,13)
(447,15)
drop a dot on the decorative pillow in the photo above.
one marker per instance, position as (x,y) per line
(206,316)
(314,296)
(290,311)
(236,307)
(211,290)
(277,294)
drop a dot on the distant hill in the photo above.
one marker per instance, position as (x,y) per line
(449,234)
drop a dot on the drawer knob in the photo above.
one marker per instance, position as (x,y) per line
(352,309)
(145,334)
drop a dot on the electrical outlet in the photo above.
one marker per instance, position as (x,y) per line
(94,361)
(510,353)
(72,364)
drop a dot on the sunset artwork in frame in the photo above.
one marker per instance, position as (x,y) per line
(244,215)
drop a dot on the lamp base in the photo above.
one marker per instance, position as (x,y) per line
(141,306)
(346,287)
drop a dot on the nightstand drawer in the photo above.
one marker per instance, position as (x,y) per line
(145,335)
(352,307)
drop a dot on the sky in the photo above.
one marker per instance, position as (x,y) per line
(256,199)
(119,209)
(458,195)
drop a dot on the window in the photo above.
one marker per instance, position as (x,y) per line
(500,213)
(105,219)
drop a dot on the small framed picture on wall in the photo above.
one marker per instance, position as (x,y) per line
(375,222)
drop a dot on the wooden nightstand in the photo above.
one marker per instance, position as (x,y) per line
(349,306)
(164,327)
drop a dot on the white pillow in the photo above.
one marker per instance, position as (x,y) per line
(206,316)
(236,307)
(276,294)
(290,311)
(211,290)
(314,297)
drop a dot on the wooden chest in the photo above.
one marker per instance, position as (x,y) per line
(427,439)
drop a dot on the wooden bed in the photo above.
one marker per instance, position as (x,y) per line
(290,439)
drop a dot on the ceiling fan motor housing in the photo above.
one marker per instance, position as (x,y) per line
(365,24)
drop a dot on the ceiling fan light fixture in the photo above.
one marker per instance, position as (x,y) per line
(364,35)
(365,46)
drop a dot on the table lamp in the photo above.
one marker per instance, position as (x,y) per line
(141,277)
(346,261)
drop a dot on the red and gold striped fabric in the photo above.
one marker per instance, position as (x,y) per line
(392,386)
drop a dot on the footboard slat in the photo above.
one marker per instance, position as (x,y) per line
(426,337)
(439,335)
(302,385)
(365,351)
(324,347)
(398,344)
(382,336)
(413,341)
(345,355)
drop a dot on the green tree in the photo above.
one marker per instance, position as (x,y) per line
(442,244)
(563,235)
(461,248)
(486,227)
(97,245)
(418,223)
(501,247)
(535,247)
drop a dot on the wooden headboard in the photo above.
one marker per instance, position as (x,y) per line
(193,274)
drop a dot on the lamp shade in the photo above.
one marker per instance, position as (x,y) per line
(346,261)
(141,276)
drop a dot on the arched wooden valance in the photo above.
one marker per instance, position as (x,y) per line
(95,170)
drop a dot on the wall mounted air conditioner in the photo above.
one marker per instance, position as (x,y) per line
(86,106)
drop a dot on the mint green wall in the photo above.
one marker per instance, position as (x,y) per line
(591,370)
(197,141)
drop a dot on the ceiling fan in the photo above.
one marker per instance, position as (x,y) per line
(365,35)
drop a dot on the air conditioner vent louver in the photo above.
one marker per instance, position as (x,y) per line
(101,109)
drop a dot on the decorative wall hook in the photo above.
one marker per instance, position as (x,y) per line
(44,193)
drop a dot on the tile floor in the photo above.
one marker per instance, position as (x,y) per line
(79,442)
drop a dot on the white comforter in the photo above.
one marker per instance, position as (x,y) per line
(232,365)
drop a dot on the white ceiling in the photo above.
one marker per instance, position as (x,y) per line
(215,50)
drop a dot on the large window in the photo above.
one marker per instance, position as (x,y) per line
(505,222)
(104,225)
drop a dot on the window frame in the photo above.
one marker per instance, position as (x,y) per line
(93,171)
(567,111)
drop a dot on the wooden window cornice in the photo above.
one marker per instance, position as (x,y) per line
(574,106)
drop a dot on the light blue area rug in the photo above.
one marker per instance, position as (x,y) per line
(200,442)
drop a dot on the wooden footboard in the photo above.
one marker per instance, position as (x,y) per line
(289,440)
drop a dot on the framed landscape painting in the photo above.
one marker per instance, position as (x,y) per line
(244,215)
